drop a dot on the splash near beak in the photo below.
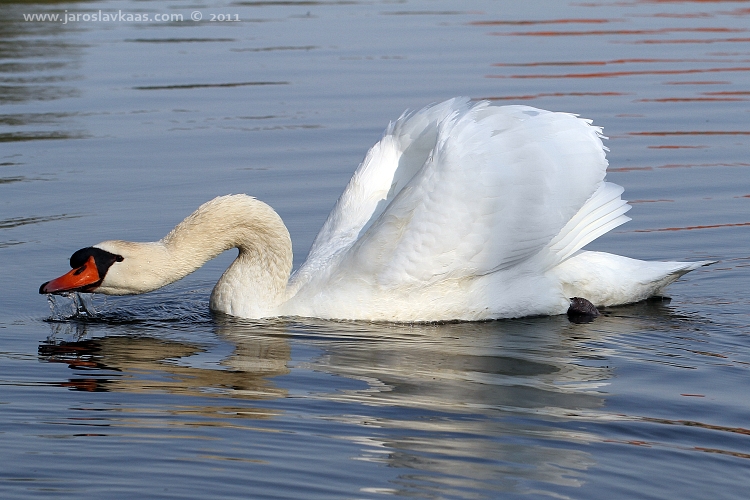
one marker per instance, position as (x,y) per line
(82,279)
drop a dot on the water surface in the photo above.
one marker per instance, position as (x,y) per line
(120,129)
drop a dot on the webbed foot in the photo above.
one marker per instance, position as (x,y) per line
(582,311)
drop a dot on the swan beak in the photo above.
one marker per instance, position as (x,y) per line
(81,279)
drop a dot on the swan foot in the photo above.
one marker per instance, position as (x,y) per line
(582,311)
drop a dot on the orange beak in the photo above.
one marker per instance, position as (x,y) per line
(81,279)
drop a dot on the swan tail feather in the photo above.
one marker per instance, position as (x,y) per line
(607,280)
(679,269)
(604,211)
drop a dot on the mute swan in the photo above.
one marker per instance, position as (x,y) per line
(462,211)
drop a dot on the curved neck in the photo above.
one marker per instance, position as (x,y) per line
(255,284)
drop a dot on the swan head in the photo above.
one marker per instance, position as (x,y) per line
(89,268)
(112,268)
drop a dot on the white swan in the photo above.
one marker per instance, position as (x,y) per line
(461,212)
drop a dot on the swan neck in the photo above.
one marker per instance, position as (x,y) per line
(254,285)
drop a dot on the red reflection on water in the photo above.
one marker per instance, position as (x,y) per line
(705,82)
(649,201)
(83,384)
(635,442)
(689,228)
(628,169)
(728,92)
(550,94)
(695,40)
(688,1)
(693,132)
(610,74)
(738,12)
(692,15)
(601,63)
(692,423)
(723,452)
(542,21)
(691,165)
(693,99)
(675,146)
(619,32)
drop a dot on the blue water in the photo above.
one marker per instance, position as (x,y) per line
(119,129)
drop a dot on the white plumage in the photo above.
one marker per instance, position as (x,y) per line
(461,211)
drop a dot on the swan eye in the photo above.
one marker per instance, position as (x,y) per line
(102,258)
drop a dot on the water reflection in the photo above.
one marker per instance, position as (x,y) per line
(529,347)
(517,364)
(146,364)
(480,405)
(463,367)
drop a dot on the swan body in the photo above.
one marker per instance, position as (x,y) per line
(461,212)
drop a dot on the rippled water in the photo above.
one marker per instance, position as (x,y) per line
(118,129)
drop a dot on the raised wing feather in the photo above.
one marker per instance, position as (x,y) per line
(387,167)
(459,191)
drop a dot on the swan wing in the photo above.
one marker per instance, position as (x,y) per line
(467,190)
(387,167)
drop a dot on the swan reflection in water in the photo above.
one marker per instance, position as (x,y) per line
(488,401)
